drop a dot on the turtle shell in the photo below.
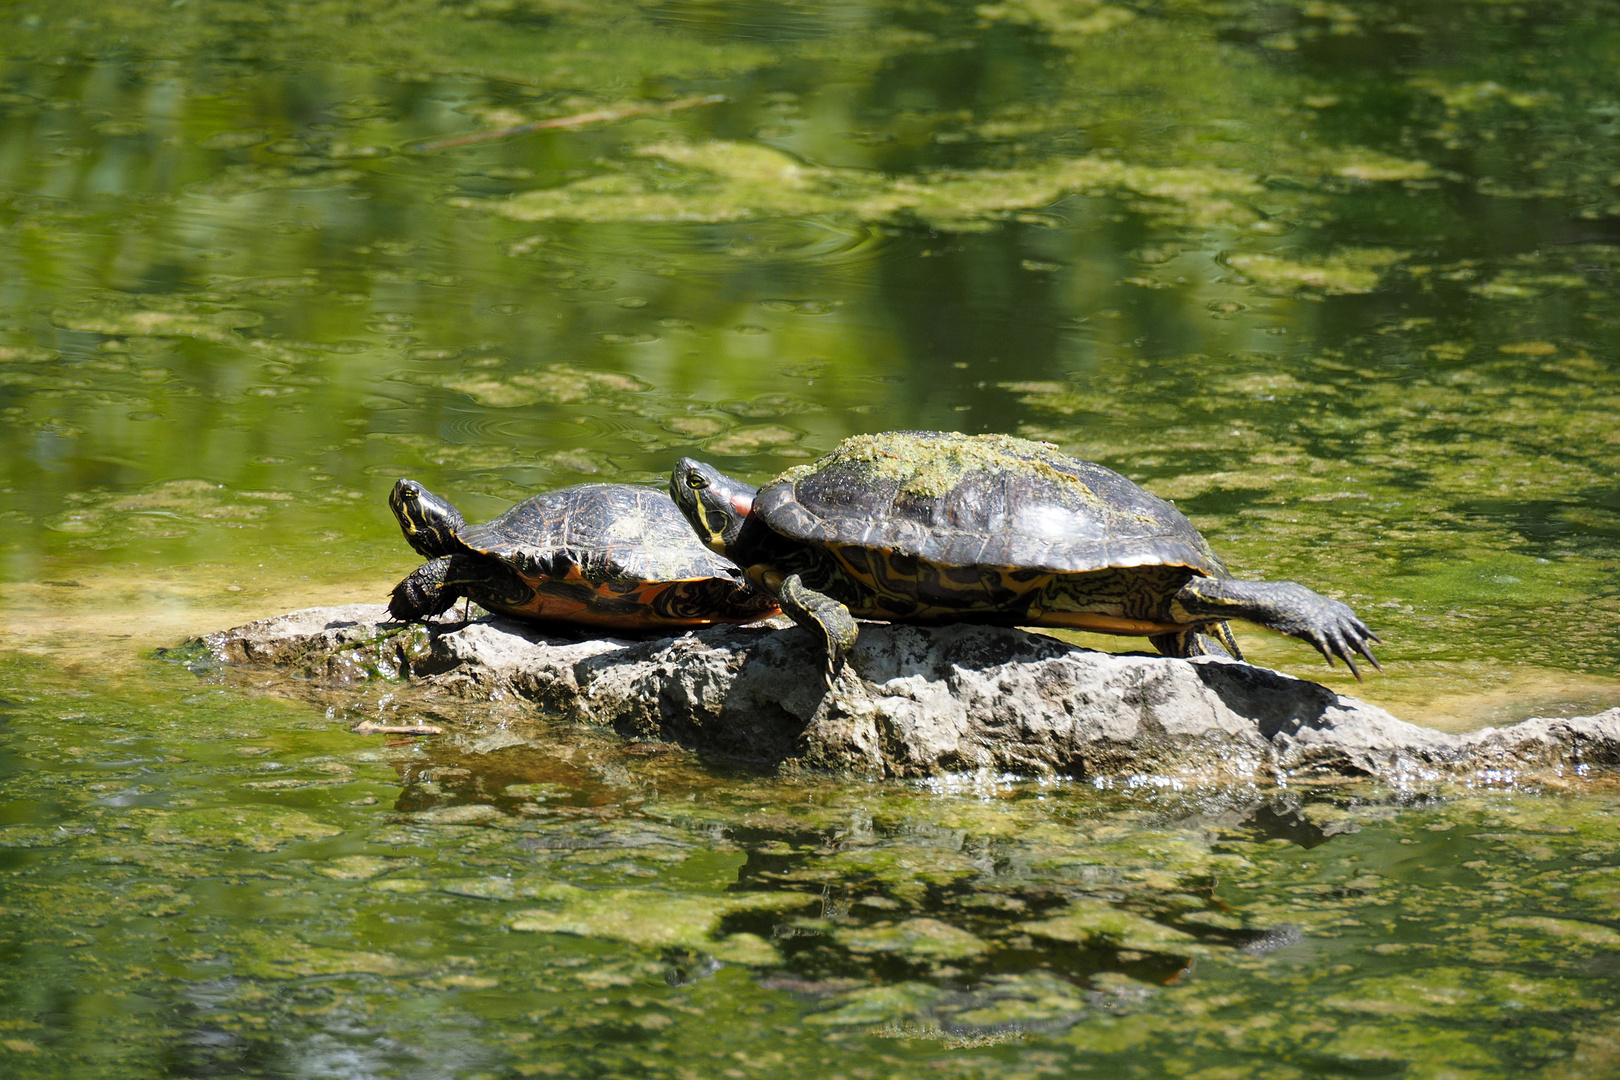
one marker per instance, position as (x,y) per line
(599,535)
(980,501)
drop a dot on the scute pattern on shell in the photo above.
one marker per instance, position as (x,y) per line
(611,532)
(981,500)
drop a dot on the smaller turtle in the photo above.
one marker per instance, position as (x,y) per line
(938,527)
(611,556)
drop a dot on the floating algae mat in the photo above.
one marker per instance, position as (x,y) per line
(1338,279)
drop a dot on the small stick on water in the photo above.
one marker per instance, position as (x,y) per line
(596,116)
(371,727)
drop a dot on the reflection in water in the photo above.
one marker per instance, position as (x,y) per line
(1338,279)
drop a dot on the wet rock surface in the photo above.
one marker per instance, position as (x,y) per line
(914,701)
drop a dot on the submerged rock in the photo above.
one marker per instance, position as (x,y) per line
(913,701)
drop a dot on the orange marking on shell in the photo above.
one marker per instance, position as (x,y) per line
(548,607)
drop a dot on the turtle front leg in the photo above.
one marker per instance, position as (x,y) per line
(1288,608)
(425,592)
(822,616)
(434,587)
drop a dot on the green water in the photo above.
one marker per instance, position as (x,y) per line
(1339,279)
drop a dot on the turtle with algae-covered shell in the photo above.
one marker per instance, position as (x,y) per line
(936,527)
(610,556)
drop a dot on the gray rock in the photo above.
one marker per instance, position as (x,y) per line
(914,701)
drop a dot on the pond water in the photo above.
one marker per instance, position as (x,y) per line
(1339,279)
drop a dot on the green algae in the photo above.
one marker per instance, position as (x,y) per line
(1375,167)
(650,918)
(737,182)
(752,438)
(915,939)
(1440,991)
(897,457)
(606,45)
(496,887)
(360,867)
(1096,922)
(559,384)
(876,1005)
(23,836)
(269,955)
(257,828)
(465,814)
(401,885)
(1025,1002)
(204,325)
(905,874)
(1339,273)
(1575,933)
(1064,21)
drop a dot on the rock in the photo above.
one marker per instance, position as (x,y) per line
(914,701)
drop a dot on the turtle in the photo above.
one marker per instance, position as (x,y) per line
(933,527)
(609,556)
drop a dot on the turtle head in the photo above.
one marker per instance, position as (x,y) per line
(717,506)
(429,523)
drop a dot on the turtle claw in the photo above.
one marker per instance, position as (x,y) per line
(834,670)
(1341,634)
(1365,650)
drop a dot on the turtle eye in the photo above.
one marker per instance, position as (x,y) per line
(696,481)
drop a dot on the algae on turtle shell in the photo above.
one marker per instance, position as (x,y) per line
(931,470)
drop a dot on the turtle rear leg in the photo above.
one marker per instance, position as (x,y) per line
(822,616)
(1212,639)
(1288,608)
